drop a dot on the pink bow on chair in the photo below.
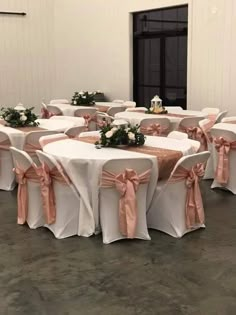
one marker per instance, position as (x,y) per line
(127,184)
(223,148)
(88,118)
(194,211)
(153,130)
(196,133)
(47,176)
(31,148)
(22,194)
(45,114)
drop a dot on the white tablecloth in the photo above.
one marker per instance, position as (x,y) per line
(83,163)
(55,125)
(108,104)
(135,118)
(77,121)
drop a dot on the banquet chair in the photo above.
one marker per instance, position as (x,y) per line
(45,114)
(118,101)
(177,135)
(155,126)
(32,142)
(136,109)
(74,132)
(89,115)
(118,220)
(44,140)
(54,110)
(7,176)
(190,125)
(114,110)
(220,116)
(206,125)
(224,157)
(103,119)
(29,203)
(172,210)
(59,101)
(229,120)
(194,144)
(63,213)
(129,104)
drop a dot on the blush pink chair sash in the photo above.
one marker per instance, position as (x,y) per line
(127,184)
(88,118)
(30,148)
(153,130)
(45,113)
(47,176)
(22,194)
(223,148)
(51,139)
(194,211)
(195,133)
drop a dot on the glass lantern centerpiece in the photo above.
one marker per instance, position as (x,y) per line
(156,106)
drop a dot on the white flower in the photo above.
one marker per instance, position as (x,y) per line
(19,107)
(131,136)
(109,134)
(81,93)
(114,129)
(23,118)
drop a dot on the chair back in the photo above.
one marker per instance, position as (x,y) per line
(177,135)
(220,116)
(54,110)
(47,159)
(129,104)
(190,122)
(151,123)
(73,132)
(226,134)
(114,110)
(44,140)
(89,115)
(103,119)
(194,144)
(59,101)
(21,159)
(5,141)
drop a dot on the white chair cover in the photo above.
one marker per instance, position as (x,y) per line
(35,217)
(52,138)
(220,116)
(7,176)
(89,115)
(74,132)
(155,126)
(54,110)
(109,201)
(167,212)
(114,110)
(231,155)
(118,101)
(67,202)
(32,142)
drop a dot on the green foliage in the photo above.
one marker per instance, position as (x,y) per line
(112,136)
(19,118)
(83,98)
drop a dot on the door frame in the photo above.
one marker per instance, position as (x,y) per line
(175,3)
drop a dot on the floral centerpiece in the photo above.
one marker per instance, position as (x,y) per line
(83,98)
(19,116)
(112,136)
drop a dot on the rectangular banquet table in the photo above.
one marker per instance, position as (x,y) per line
(84,163)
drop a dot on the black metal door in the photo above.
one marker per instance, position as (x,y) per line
(160,56)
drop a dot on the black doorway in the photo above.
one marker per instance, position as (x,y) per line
(160,56)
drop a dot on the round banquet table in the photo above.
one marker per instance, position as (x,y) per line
(134,118)
(69,110)
(83,163)
(17,137)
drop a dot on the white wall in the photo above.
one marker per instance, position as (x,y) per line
(93,48)
(67,45)
(26,52)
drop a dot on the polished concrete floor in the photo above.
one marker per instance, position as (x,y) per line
(81,276)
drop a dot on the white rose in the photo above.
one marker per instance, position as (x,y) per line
(23,118)
(114,129)
(109,134)
(131,136)
(81,93)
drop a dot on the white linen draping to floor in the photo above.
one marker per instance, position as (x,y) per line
(83,163)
